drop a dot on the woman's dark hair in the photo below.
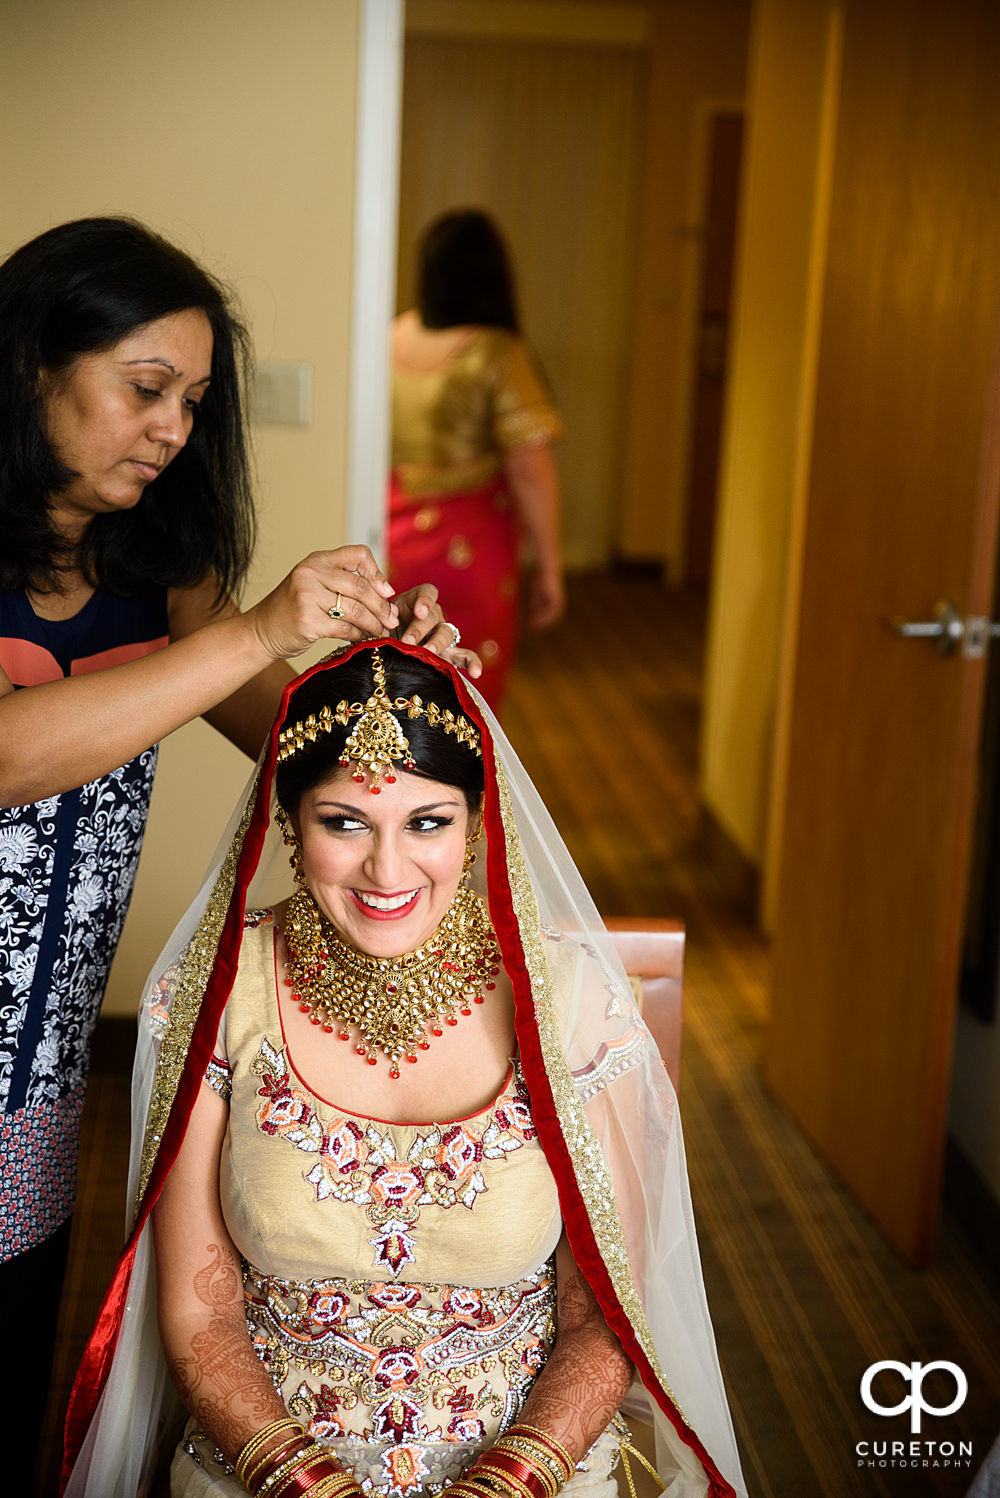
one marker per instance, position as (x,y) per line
(437,755)
(79,289)
(464,274)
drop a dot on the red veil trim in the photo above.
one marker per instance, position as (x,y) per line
(96,1362)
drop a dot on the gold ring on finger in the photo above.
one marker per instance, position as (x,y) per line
(336,612)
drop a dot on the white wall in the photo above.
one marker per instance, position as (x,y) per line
(232,130)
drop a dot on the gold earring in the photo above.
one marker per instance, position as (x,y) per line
(292,842)
(470,852)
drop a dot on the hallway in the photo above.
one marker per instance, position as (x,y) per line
(805,1294)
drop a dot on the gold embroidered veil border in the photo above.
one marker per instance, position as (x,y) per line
(188,981)
(590,1167)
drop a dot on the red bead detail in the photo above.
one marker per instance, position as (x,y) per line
(314,1019)
(390,779)
(343,763)
(358,776)
(413,1058)
(303,1006)
(466,1012)
(327,1029)
(373,1061)
(289,982)
(376,790)
(360,1050)
(394,1075)
(436,1030)
(392,988)
(344,1035)
(490,987)
(425,1045)
(480,998)
(451,1020)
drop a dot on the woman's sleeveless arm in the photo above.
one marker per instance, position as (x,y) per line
(63,733)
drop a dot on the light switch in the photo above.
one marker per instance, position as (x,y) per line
(283,394)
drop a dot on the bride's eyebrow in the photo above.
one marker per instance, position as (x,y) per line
(414,811)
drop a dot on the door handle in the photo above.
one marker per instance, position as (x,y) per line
(948,630)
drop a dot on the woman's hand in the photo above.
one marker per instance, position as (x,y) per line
(546,597)
(331,595)
(422,622)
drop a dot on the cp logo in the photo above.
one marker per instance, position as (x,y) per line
(914,1374)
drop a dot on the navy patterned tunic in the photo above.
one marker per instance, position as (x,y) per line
(67,866)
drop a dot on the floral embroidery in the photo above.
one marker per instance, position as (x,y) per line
(416,1375)
(356,1162)
(56,945)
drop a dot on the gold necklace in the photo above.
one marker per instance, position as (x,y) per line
(392,1001)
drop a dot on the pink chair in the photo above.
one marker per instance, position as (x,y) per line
(652,950)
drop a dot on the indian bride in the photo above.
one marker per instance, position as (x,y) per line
(411,1203)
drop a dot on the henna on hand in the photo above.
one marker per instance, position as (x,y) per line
(586,1376)
(222,1381)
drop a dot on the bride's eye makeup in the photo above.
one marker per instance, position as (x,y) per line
(341,822)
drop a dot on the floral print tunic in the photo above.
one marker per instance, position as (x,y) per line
(67,866)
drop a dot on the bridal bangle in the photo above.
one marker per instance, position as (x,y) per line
(257,1443)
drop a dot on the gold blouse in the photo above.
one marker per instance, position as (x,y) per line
(452,424)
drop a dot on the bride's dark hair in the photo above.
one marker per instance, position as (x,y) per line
(437,755)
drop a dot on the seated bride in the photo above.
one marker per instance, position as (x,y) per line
(412,1208)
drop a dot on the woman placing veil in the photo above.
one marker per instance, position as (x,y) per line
(408,1163)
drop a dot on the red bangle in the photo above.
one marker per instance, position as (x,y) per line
(301,1481)
(521,1471)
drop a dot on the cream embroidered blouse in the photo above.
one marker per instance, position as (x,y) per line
(399,1283)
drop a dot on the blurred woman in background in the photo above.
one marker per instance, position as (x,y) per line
(473,424)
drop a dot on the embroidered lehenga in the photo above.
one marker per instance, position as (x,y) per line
(399,1280)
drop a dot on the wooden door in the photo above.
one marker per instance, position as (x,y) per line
(715,303)
(902,511)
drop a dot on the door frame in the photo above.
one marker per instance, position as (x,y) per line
(376,198)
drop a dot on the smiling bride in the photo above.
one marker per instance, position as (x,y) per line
(412,1205)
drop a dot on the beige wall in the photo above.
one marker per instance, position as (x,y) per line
(791,106)
(230,129)
(697,57)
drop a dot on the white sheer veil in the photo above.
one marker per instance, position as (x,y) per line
(598,1079)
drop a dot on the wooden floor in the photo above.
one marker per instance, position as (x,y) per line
(804,1292)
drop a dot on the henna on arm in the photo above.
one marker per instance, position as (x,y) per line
(221,1379)
(587,1374)
(200,1307)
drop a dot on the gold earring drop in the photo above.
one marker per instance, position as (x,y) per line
(291,841)
(470,852)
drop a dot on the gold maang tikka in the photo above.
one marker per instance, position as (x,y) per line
(377,741)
